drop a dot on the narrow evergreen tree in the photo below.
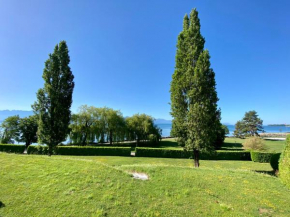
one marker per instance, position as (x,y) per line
(55,98)
(189,92)
(203,114)
(189,46)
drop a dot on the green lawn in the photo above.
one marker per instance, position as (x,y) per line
(230,143)
(33,185)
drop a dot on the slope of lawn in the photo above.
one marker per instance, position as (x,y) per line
(101,186)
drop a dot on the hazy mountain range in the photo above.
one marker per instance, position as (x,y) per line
(6,113)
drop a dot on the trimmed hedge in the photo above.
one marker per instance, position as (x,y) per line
(172,153)
(10,148)
(262,157)
(284,164)
(275,161)
(37,150)
(93,151)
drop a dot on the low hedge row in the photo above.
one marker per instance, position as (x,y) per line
(171,153)
(93,151)
(82,150)
(10,148)
(37,150)
(262,157)
(275,161)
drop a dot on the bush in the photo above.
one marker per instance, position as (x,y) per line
(12,148)
(173,153)
(93,151)
(275,161)
(37,150)
(262,157)
(284,164)
(254,143)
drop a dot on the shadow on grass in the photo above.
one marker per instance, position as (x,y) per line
(2,204)
(231,145)
(271,173)
(169,144)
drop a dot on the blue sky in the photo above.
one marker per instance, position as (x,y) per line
(123,53)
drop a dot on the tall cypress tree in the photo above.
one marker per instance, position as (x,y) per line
(190,47)
(55,98)
(203,115)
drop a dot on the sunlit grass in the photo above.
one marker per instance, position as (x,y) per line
(101,186)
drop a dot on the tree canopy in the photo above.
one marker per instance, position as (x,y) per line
(196,118)
(55,98)
(250,125)
(10,130)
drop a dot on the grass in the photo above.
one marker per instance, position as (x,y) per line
(33,185)
(230,143)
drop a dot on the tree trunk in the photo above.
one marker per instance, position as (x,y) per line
(49,150)
(196,158)
(111,137)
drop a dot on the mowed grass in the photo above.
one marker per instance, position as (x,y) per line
(229,143)
(32,185)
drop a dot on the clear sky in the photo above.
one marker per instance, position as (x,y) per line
(123,52)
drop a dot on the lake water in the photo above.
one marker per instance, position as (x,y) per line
(166,128)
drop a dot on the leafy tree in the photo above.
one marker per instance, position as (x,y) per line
(250,125)
(83,126)
(55,98)
(10,131)
(226,129)
(189,46)
(203,116)
(92,123)
(222,131)
(140,127)
(196,119)
(27,130)
(115,126)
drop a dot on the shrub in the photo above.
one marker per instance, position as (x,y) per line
(284,164)
(93,151)
(275,161)
(37,150)
(261,157)
(173,153)
(254,143)
(12,148)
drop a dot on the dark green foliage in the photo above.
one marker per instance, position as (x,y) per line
(284,164)
(173,153)
(94,151)
(250,125)
(262,157)
(196,118)
(10,148)
(39,149)
(221,135)
(275,161)
(28,129)
(55,99)
(190,44)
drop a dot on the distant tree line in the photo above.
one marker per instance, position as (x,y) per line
(102,125)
